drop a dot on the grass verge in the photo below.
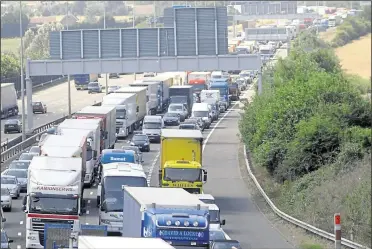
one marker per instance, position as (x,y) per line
(10,45)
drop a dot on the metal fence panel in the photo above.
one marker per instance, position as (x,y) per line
(148,42)
(167,42)
(206,31)
(90,44)
(93,230)
(185,31)
(110,43)
(222,33)
(56,235)
(54,44)
(129,42)
(71,45)
(168,18)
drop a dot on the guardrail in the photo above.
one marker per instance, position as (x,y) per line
(295,221)
(9,152)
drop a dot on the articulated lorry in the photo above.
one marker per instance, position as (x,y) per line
(223,86)
(182,95)
(110,195)
(54,195)
(211,97)
(9,106)
(97,242)
(141,98)
(152,92)
(199,81)
(164,81)
(234,91)
(108,116)
(173,215)
(82,80)
(126,112)
(181,160)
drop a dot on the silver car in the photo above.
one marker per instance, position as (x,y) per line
(21,176)
(12,184)
(19,164)
(179,109)
(136,151)
(35,149)
(27,156)
(5,241)
(6,199)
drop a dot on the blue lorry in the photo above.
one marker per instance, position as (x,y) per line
(171,214)
(82,80)
(223,86)
(116,156)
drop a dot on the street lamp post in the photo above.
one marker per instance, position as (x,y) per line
(104,27)
(22,80)
(68,76)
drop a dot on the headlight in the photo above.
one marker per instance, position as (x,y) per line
(15,188)
(145,144)
(105,221)
(31,237)
(132,144)
(205,119)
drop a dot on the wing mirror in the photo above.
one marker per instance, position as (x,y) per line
(205,175)
(83,211)
(3,219)
(10,241)
(223,222)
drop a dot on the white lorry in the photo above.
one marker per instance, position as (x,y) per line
(211,97)
(141,98)
(126,112)
(66,146)
(153,88)
(96,242)
(201,110)
(54,195)
(152,125)
(172,214)
(9,106)
(108,116)
(110,195)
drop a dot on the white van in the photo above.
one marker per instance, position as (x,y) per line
(152,126)
(201,110)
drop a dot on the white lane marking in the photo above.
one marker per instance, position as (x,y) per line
(86,223)
(21,222)
(204,144)
(87,212)
(94,184)
(20,234)
(91,193)
(88,201)
(19,246)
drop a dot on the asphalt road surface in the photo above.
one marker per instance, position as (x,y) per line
(244,221)
(56,100)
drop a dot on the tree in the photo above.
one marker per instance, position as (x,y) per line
(10,66)
(10,24)
(78,7)
(109,19)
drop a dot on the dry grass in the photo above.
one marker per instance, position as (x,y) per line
(328,35)
(355,57)
(10,44)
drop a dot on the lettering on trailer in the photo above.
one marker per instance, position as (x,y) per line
(55,188)
(118,159)
(183,235)
(209,95)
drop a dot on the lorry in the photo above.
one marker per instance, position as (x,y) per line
(82,80)
(223,86)
(9,106)
(211,97)
(68,146)
(126,112)
(110,196)
(334,21)
(199,81)
(152,125)
(54,195)
(171,214)
(180,159)
(108,116)
(164,81)
(203,111)
(182,95)
(141,100)
(97,242)
(115,155)
(234,91)
(153,102)
(91,153)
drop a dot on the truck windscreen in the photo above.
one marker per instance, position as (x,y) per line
(200,114)
(121,113)
(222,90)
(55,205)
(179,174)
(214,216)
(151,125)
(89,155)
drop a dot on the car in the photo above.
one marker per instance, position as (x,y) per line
(21,176)
(112,89)
(27,156)
(206,198)
(12,184)
(171,119)
(189,127)
(35,149)
(12,125)
(94,87)
(217,234)
(149,74)
(114,75)
(42,138)
(6,199)
(39,107)
(141,141)
(5,241)
(136,150)
(19,164)
(195,120)
(225,244)
(178,109)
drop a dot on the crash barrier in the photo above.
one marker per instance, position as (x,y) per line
(290,219)
(66,235)
(15,146)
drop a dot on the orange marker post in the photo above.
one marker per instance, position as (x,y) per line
(337,225)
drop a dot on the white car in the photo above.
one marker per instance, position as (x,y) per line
(11,183)
(6,199)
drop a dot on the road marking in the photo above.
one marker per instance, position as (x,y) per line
(88,201)
(19,234)
(87,212)
(19,246)
(204,144)
(21,222)
(86,223)
(91,193)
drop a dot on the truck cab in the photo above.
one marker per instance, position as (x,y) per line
(152,126)
(115,156)
(223,86)
(201,110)
(234,91)
(188,175)
(110,195)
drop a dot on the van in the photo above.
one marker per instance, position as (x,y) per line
(152,126)
(201,110)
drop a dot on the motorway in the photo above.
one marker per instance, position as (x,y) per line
(56,100)
(244,221)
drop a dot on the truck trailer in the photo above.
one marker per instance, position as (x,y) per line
(152,92)
(182,95)
(9,106)
(141,100)
(82,80)
(96,242)
(171,214)
(165,81)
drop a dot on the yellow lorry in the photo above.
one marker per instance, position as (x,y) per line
(181,160)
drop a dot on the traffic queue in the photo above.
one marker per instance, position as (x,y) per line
(83,150)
